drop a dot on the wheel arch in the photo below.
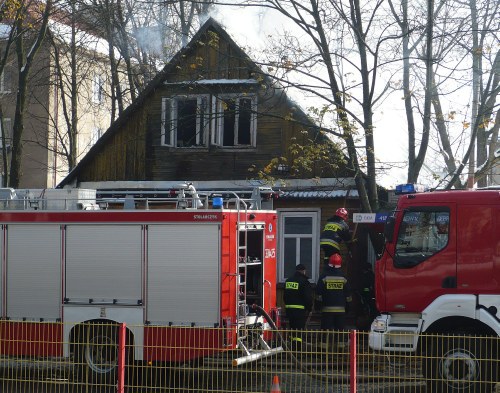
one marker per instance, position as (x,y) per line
(80,328)
(465,324)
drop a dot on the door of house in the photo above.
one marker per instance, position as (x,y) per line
(299,242)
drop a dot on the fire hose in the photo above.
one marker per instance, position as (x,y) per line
(288,350)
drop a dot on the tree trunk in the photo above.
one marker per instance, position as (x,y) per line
(344,121)
(24,66)
(366,104)
(415,167)
(73,130)
(5,161)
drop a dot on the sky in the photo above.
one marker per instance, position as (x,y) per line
(249,27)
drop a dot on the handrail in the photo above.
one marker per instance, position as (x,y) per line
(180,200)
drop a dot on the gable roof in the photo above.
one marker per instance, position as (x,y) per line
(160,78)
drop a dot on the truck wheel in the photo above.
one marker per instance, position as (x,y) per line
(98,354)
(459,363)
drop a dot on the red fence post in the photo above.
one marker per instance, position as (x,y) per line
(120,386)
(353,359)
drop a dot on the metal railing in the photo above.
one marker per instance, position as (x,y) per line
(103,358)
(186,197)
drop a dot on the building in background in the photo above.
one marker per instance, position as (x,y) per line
(48,108)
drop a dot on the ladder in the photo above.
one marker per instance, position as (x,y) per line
(242,260)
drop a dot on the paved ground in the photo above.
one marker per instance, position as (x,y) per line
(215,375)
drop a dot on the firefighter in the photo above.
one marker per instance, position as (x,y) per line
(298,299)
(333,295)
(335,232)
(369,308)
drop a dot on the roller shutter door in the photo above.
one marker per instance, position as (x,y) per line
(184,274)
(33,271)
(104,263)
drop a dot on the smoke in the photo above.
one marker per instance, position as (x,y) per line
(149,39)
(248,26)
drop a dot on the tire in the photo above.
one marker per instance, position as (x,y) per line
(97,354)
(460,363)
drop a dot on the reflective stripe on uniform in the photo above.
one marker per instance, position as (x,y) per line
(334,279)
(333,309)
(333,226)
(295,306)
(329,242)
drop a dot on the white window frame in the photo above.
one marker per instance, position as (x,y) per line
(98,89)
(315,214)
(7,122)
(170,104)
(3,81)
(96,134)
(218,120)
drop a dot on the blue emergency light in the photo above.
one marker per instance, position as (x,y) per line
(217,202)
(409,188)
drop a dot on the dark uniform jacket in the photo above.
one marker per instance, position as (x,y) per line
(298,292)
(333,291)
(335,231)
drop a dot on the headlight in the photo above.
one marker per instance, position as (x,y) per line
(379,325)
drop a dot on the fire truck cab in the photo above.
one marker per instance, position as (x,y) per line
(440,273)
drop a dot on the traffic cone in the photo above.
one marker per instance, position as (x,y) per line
(275,387)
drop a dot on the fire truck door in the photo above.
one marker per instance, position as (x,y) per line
(478,248)
(424,260)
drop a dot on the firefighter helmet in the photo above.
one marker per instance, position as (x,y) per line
(335,260)
(342,213)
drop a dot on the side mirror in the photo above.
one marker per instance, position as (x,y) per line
(389,229)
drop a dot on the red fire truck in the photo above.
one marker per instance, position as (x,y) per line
(187,275)
(440,273)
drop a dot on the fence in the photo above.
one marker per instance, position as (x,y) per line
(103,358)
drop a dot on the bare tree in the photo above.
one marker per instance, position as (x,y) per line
(453,47)
(131,27)
(8,12)
(336,62)
(25,61)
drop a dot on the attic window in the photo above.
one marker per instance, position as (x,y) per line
(236,121)
(185,121)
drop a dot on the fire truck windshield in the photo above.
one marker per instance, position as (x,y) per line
(422,233)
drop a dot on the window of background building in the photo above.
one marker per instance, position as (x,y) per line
(299,242)
(98,89)
(7,124)
(6,80)
(96,134)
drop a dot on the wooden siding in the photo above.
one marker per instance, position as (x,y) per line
(123,157)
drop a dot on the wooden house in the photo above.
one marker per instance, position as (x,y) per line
(212,117)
